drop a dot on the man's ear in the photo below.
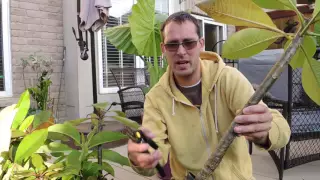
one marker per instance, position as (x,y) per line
(201,41)
(163,49)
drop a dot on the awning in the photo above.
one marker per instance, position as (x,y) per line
(94,14)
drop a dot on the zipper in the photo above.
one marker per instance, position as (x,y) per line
(204,132)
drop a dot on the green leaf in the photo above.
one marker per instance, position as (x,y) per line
(310,80)
(317,30)
(37,161)
(57,136)
(56,166)
(30,144)
(66,129)
(299,58)
(91,169)
(23,108)
(31,178)
(154,76)
(248,42)
(41,118)
(108,168)
(17,133)
(101,105)
(316,10)
(113,156)
(120,37)
(105,137)
(26,123)
(238,13)
(144,28)
(277,4)
(54,147)
(127,122)
(120,113)
(76,122)
(73,160)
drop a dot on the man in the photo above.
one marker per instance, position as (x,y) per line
(193,105)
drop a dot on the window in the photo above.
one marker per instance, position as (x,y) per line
(5,50)
(109,56)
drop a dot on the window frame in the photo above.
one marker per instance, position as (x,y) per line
(110,90)
(6,38)
(208,20)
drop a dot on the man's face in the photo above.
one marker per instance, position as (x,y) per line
(183,59)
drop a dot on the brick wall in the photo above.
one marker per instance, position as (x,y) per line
(37,27)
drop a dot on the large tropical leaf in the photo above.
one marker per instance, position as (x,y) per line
(142,23)
(23,108)
(238,13)
(277,4)
(30,144)
(310,79)
(120,37)
(248,42)
(309,45)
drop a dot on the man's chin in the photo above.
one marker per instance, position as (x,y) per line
(182,73)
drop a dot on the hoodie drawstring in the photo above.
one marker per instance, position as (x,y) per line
(173,111)
(215,109)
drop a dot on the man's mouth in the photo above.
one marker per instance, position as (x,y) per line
(182,62)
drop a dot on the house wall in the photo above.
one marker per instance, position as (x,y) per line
(36,27)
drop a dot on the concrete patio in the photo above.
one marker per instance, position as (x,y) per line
(263,165)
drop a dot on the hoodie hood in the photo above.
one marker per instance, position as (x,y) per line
(209,75)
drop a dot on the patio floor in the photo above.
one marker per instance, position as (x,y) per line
(263,166)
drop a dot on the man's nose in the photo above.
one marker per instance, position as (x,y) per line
(181,50)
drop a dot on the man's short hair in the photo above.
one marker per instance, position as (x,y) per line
(180,17)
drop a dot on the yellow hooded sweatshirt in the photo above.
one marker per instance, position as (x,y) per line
(191,135)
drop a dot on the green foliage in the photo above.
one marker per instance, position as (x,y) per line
(142,37)
(40,91)
(47,154)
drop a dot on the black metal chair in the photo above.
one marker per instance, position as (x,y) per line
(131,83)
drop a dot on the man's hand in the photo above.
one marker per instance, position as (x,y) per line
(140,159)
(255,124)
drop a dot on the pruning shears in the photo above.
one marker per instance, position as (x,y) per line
(139,137)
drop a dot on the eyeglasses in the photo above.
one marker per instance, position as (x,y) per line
(188,45)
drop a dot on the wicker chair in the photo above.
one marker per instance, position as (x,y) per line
(131,93)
